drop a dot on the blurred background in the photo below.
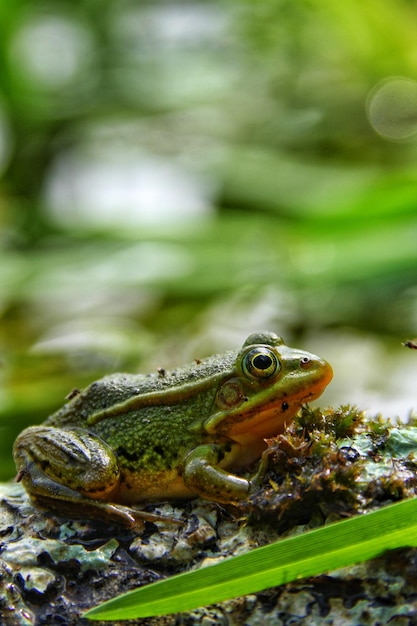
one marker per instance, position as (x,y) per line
(176,175)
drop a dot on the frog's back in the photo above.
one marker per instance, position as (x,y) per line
(115,389)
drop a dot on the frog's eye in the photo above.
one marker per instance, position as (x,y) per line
(260,363)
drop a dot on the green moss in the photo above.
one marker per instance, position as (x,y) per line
(339,423)
(333,464)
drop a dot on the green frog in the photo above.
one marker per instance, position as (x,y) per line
(131,438)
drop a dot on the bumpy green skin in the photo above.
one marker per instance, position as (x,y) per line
(131,438)
(153,438)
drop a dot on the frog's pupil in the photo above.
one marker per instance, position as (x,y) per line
(262,362)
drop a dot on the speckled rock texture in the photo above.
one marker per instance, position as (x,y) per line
(327,466)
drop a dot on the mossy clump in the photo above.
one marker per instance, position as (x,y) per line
(331,464)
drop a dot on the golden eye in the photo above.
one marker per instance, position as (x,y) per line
(261,363)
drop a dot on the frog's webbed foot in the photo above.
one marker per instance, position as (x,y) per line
(109,512)
(77,506)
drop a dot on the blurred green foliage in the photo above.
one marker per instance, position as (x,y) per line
(175,174)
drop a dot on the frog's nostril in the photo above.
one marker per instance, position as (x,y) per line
(305,362)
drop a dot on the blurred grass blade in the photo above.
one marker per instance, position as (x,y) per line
(314,552)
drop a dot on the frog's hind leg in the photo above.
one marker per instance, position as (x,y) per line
(70,472)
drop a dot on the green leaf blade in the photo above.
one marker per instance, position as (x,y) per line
(314,552)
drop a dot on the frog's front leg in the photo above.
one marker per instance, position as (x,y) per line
(70,472)
(204,477)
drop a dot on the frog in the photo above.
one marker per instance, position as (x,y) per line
(192,432)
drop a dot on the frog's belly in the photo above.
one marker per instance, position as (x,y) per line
(156,486)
